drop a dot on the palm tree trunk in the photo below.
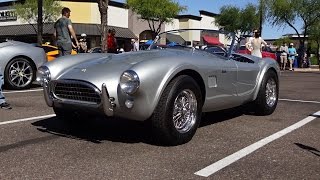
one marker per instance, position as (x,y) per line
(103,8)
(318,55)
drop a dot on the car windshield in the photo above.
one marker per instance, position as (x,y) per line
(242,47)
(212,41)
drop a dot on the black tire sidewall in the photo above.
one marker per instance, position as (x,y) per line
(8,83)
(262,107)
(169,132)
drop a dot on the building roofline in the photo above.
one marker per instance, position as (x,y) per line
(48,29)
(117,4)
(270,39)
(111,3)
(7,3)
(207,13)
(189,16)
(293,35)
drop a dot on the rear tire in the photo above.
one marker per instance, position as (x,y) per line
(267,98)
(178,113)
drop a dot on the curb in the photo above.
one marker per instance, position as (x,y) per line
(306,70)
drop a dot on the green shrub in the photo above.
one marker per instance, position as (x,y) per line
(314,60)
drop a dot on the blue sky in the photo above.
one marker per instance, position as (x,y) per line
(268,32)
(214,6)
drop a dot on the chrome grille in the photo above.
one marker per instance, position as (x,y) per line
(76,91)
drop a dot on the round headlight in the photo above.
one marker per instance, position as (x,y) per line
(43,75)
(129,82)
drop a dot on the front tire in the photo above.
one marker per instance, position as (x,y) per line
(267,98)
(19,74)
(178,113)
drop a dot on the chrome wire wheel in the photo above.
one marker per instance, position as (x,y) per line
(185,111)
(20,73)
(271,92)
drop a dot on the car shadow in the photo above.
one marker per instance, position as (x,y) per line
(308,148)
(33,86)
(223,115)
(98,129)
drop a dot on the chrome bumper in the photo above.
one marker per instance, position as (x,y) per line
(47,95)
(107,103)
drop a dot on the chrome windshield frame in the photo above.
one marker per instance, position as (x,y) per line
(230,34)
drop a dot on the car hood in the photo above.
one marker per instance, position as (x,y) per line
(99,68)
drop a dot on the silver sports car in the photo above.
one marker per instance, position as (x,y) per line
(19,62)
(169,86)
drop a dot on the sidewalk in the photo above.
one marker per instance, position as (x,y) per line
(313,68)
(306,70)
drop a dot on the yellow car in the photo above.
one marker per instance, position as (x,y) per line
(52,51)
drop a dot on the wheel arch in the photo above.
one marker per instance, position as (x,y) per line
(197,77)
(153,98)
(263,73)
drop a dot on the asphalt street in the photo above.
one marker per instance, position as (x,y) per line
(48,148)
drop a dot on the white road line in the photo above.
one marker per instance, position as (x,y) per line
(294,100)
(30,90)
(317,114)
(27,119)
(213,168)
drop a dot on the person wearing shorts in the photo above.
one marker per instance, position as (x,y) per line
(292,55)
(283,56)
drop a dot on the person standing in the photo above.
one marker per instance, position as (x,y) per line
(292,54)
(135,45)
(3,103)
(62,31)
(83,43)
(254,45)
(284,56)
(112,42)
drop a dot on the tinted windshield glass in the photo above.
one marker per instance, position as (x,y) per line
(212,41)
(242,48)
(267,49)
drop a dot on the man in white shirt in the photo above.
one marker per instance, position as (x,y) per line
(284,56)
(135,44)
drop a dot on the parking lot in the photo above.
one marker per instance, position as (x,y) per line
(230,144)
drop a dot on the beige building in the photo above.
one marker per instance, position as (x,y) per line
(85,17)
